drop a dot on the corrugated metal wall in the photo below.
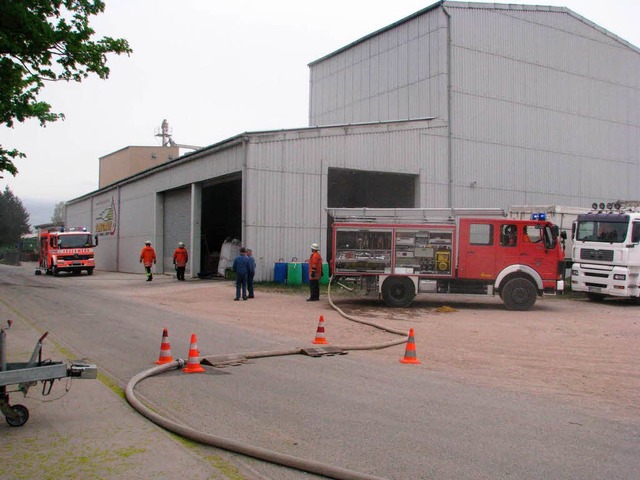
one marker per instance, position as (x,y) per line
(177,224)
(397,75)
(545,109)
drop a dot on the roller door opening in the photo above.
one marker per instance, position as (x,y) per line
(221,219)
(357,188)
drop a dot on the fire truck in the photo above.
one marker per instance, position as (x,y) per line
(399,253)
(65,250)
(606,251)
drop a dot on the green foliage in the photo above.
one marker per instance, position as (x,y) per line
(41,41)
(14,219)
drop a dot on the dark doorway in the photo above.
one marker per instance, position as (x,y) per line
(358,188)
(221,219)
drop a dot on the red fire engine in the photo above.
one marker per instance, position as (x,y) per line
(402,252)
(65,250)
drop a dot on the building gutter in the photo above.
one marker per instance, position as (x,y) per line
(450,133)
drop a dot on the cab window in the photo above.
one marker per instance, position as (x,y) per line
(531,234)
(481,234)
(508,235)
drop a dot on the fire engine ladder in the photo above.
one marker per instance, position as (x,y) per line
(410,215)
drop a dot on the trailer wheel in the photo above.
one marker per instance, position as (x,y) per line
(20,415)
(519,294)
(398,291)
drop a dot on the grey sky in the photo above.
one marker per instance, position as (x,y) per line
(212,69)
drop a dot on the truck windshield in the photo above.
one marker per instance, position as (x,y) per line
(602,230)
(81,240)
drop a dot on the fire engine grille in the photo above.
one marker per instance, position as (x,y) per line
(597,275)
(69,258)
(593,254)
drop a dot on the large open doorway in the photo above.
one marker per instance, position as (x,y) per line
(356,188)
(221,219)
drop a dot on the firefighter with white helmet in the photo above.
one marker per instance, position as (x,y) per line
(180,259)
(148,259)
(315,273)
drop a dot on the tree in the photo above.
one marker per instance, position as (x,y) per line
(59,212)
(41,41)
(14,219)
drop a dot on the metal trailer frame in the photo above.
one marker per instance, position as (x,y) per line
(28,374)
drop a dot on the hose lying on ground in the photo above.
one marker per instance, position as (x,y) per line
(271,456)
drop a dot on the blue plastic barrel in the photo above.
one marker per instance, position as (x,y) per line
(305,273)
(280,272)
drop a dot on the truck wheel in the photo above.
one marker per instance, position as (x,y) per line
(398,291)
(89,271)
(519,294)
(595,297)
(55,271)
(20,415)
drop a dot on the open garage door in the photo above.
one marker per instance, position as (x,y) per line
(177,224)
(221,219)
(356,188)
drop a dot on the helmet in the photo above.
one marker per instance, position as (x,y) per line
(148,242)
(181,244)
(314,246)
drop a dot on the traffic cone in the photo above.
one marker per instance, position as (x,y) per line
(410,351)
(320,333)
(165,349)
(193,365)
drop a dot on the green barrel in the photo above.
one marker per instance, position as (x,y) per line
(294,274)
(325,274)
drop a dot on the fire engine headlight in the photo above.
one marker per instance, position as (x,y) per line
(59,261)
(574,272)
(619,276)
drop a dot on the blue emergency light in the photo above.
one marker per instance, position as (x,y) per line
(539,216)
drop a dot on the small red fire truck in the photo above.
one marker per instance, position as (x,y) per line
(401,252)
(65,250)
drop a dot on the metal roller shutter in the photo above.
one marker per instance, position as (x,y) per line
(177,224)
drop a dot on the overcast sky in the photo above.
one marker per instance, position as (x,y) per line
(213,69)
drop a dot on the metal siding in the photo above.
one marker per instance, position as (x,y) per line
(544,107)
(383,76)
(177,225)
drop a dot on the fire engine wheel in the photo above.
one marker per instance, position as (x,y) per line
(398,291)
(20,415)
(519,294)
(89,271)
(55,271)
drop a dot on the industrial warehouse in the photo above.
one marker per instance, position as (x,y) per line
(459,105)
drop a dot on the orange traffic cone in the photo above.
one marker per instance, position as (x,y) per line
(165,349)
(320,332)
(410,351)
(193,365)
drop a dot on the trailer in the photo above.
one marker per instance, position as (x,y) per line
(24,375)
(402,252)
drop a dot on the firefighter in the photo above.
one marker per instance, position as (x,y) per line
(315,273)
(180,259)
(148,258)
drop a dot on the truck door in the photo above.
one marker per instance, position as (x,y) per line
(476,250)
(532,250)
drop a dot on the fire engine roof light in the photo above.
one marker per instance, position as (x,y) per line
(594,206)
(61,229)
(602,205)
(534,216)
(609,206)
(542,216)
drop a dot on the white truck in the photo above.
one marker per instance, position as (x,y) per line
(606,251)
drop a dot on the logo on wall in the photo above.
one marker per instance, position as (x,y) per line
(106,219)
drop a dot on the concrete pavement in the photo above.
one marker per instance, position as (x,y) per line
(86,429)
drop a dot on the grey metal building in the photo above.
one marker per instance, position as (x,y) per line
(458,105)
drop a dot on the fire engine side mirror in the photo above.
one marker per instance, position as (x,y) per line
(95,237)
(563,235)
